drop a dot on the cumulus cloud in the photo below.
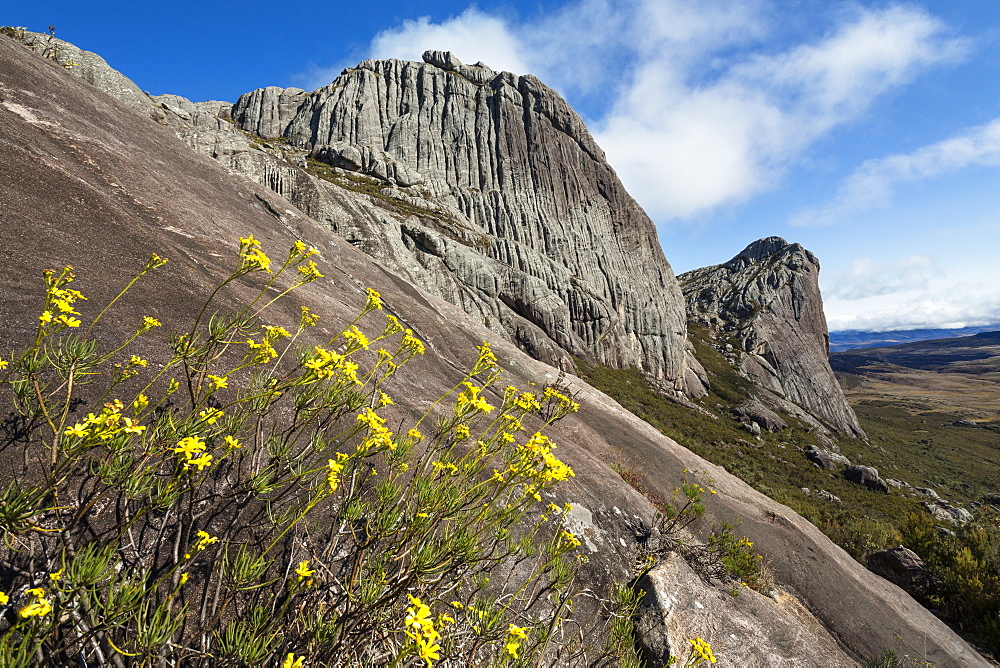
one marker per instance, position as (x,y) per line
(868,278)
(934,309)
(908,293)
(473,35)
(685,143)
(691,108)
(873,182)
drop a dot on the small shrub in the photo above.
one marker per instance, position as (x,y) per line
(246,502)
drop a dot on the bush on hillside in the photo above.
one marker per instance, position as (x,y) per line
(246,502)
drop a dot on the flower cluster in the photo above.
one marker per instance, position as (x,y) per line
(470,401)
(411,344)
(515,636)
(701,652)
(538,452)
(569,538)
(308,272)
(108,424)
(40,607)
(564,405)
(324,364)
(373,302)
(379,436)
(59,301)
(252,258)
(419,626)
(188,447)
(334,467)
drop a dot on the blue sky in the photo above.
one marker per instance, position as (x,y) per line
(867,131)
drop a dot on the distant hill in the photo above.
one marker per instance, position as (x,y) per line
(850,339)
(976,354)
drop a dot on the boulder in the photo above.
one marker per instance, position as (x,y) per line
(822,494)
(946,512)
(744,627)
(902,567)
(753,410)
(825,459)
(866,476)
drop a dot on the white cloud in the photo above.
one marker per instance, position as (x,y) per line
(935,309)
(868,278)
(693,113)
(685,144)
(872,184)
(914,292)
(472,36)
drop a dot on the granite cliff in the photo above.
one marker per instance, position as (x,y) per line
(81,166)
(512,201)
(764,311)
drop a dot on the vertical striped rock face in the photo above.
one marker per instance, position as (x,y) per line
(528,228)
(766,300)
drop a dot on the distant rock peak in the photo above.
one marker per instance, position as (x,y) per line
(765,249)
(767,301)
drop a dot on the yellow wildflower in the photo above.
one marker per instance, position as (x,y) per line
(303,572)
(189,446)
(411,343)
(570,538)
(132,427)
(40,607)
(702,650)
(204,540)
(210,415)
(334,467)
(307,319)
(374,301)
(77,430)
(201,462)
(292,662)
(356,340)
(148,323)
(309,272)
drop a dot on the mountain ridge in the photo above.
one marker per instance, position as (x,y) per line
(849,339)
(127,182)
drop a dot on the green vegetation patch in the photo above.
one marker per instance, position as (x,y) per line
(372,187)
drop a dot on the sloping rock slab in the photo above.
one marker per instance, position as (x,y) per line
(745,630)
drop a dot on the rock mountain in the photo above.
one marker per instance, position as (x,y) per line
(764,311)
(460,185)
(504,203)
